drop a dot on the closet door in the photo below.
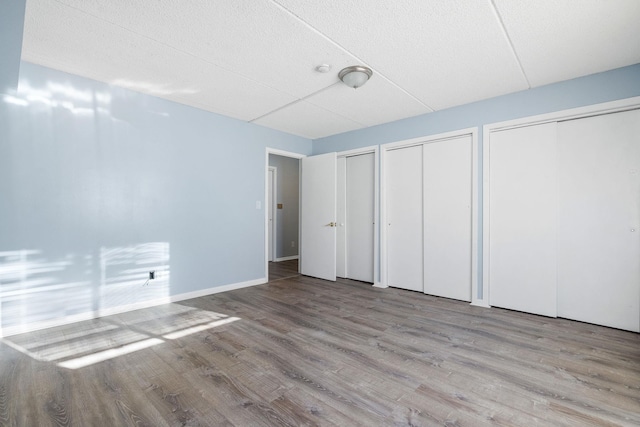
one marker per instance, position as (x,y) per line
(598,220)
(360,173)
(522,219)
(447,218)
(403,172)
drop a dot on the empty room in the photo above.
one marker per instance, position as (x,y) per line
(300,213)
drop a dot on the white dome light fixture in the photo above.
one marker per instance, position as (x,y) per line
(355,76)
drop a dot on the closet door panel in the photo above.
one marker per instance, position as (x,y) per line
(360,172)
(403,172)
(522,219)
(447,218)
(599,193)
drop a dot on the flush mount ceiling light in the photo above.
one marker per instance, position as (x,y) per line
(355,76)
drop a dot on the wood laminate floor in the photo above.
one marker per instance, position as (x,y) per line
(283,269)
(303,351)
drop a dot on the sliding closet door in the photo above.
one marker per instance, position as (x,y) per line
(403,179)
(598,220)
(447,218)
(360,193)
(522,219)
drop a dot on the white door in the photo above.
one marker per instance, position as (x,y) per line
(403,191)
(447,217)
(522,219)
(360,211)
(599,220)
(318,216)
(271,213)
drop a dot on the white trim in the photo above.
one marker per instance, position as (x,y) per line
(357,151)
(375,149)
(485,217)
(274,212)
(35,326)
(282,153)
(570,114)
(556,116)
(286,258)
(385,148)
(379,285)
(475,209)
(428,138)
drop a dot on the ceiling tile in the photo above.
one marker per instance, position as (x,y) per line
(378,101)
(307,120)
(109,53)
(558,40)
(443,52)
(248,58)
(257,39)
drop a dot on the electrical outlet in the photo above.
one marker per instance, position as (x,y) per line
(152,275)
(293,244)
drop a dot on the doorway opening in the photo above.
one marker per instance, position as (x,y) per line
(282,214)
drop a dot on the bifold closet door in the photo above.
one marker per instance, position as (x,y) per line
(522,219)
(598,220)
(447,217)
(360,173)
(403,179)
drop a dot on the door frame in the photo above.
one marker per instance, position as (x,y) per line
(556,116)
(375,149)
(277,152)
(272,207)
(475,176)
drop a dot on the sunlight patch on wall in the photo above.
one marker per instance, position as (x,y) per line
(39,291)
(124,271)
(34,288)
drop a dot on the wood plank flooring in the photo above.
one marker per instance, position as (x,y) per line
(303,351)
(283,269)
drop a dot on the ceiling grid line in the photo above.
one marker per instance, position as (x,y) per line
(297,101)
(511,45)
(256,60)
(338,45)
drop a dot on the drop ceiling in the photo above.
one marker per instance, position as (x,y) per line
(255,60)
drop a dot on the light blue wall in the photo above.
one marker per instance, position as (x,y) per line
(99,185)
(609,86)
(597,88)
(11,29)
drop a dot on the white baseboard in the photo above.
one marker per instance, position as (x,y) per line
(380,285)
(480,303)
(36,326)
(287,258)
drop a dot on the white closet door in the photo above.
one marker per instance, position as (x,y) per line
(360,173)
(447,218)
(341,230)
(403,171)
(522,219)
(598,235)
